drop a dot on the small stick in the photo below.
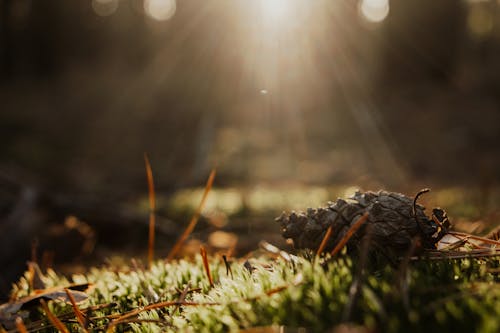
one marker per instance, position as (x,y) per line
(78,313)
(53,318)
(152,209)
(327,236)
(203,253)
(352,230)
(194,219)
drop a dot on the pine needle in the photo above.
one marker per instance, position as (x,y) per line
(20,325)
(328,234)
(204,256)
(152,209)
(53,318)
(194,219)
(76,310)
(352,230)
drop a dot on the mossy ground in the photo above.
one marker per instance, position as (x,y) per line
(460,295)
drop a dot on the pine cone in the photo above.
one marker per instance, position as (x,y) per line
(393,219)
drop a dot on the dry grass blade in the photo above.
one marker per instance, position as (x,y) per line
(78,314)
(152,209)
(352,230)
(194,219)
(20,325)
(328,234)
(53,318)
(204,256)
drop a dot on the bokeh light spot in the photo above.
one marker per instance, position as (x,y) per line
(160,10)
(374,11)
(480,21)
(104,7)
(275,9)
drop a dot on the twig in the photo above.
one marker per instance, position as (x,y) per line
(352,230)
(152,209)
(194,219)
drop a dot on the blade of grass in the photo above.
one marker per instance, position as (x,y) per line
(352,230)
(194,219)
(76,310)
(152,209)
(53,318)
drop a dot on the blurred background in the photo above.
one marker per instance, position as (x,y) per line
(295,103)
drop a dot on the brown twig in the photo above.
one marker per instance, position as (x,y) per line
(78,314)
(352,230)
(152,209)
(327,236)
(53,318)
(194,219)
(204,257)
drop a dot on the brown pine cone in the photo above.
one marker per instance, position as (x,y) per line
(394,221)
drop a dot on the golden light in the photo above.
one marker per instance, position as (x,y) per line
(374,11)
(275,9)
(480,21)
(104,7)
(160,10)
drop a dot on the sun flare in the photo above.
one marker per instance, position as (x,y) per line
(275,10)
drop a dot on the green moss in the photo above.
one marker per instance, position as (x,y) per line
(448,295)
